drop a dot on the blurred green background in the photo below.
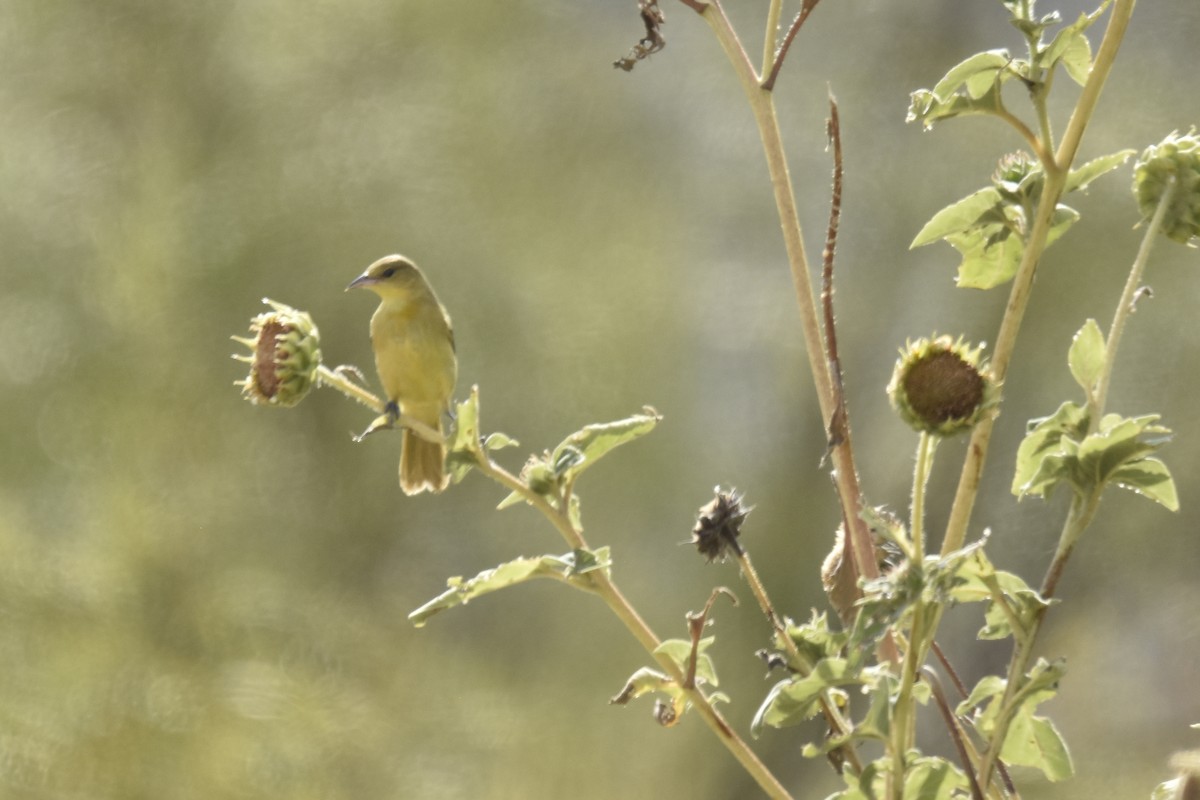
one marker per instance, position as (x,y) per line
(204,599)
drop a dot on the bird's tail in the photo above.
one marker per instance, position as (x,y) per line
(422,463)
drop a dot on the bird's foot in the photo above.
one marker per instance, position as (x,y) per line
(385,421)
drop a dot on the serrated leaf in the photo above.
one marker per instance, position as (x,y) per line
(1080,178)
(586,446)
(1086,356)
(1150,478)
(569,568)
(958,216)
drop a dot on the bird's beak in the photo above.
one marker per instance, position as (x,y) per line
(361,281)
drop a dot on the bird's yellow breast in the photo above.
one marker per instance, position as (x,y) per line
(414,354)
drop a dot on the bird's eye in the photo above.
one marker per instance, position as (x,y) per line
(387,273)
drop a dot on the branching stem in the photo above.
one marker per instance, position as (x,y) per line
(1018,300)
(607,590)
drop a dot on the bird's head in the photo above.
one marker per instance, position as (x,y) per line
(390,276)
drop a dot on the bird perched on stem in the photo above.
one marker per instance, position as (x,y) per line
(414,356)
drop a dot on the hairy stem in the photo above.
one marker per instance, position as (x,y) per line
(837,722)
(1126,304)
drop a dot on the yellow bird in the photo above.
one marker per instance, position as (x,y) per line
(414,356)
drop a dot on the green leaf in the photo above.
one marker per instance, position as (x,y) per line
(958,217)
(796,699)
(988,689)
(1071,48)
(1080,178)
(1044,443)
(498,441)
(1150,478)
(988,260)
(970,87)
(814,640)
(464,449)
(680,651)
(586,446)
(1033,741)
(977,74)
(570,568)
(1064,217)
(1118,442)
(645,681)
(932,778)
(1086,356)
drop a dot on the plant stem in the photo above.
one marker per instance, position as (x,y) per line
(334,379)
(1126,304)
(1083,510)
(926,448)
(606,589)
(771,36)
(837,722)
(860,547)
(1018,300)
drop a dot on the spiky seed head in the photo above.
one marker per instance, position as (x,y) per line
(718,525)
(285,352)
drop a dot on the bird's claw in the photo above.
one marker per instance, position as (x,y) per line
(385,421)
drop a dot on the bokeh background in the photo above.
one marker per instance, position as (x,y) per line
(204,599)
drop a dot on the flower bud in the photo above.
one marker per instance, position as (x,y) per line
(1178,157)
(285,354)
(939,387)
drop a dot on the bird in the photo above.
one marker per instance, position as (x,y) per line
(417,364)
